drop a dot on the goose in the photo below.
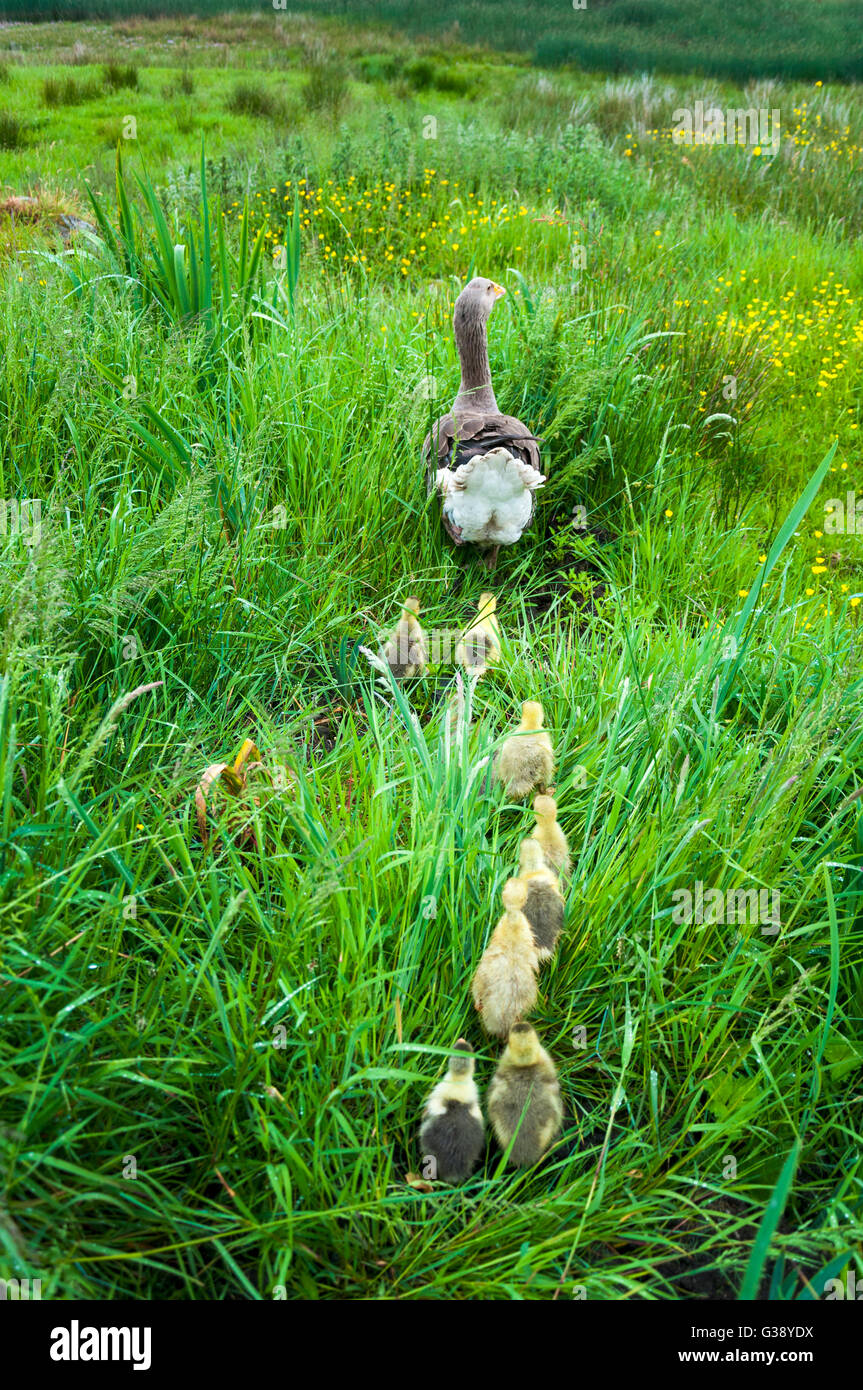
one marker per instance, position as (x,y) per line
(504,986)
(406,650)
(483,465)
(480,646)
(452,1132)
(549,836)
(526,759)
(544,906)
(523,1101)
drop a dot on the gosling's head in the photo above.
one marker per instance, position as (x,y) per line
(545,808)
(412,605)
(487,605)
(530,857)
(462,1062)
(531,714)
(524,1045)
(514,895)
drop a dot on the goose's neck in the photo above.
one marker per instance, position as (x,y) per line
(475,388)
(459,1078)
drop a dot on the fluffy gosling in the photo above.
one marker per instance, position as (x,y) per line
(526,759)
(504,986)
(452,1132)
(406,650)
(549,835)
(479,647)
(543,906)
(524,1103)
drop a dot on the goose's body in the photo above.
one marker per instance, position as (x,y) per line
(406,651)
(489,498)
(479,647)
(523,1102)
(504,986)
(484,465)
(544,905)
(452,1132)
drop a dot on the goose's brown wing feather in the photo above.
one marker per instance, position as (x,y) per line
(438,444)
(437,447)
(472,434)
(523,440)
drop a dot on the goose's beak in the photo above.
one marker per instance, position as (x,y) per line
(499,290)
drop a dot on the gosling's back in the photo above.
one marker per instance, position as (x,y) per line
(544,909)
(524,1103)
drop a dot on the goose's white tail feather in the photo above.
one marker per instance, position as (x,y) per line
(490,497)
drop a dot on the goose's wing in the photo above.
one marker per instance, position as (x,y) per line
(437,447)
(437,455)
(519,439)
(477,434)
(439,444)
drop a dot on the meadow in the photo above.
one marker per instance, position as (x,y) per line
(215,1047)
(737,39)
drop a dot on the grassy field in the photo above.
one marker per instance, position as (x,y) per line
(738,39)
(214,1055)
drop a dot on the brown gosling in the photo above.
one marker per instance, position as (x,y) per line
(526,760)
(406,650)
(543,906)
(549,835)
(524,1104)
(504,986)
(452,1133)
(479,647)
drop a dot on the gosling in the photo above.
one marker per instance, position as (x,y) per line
(524,1103)
(452,1132)
(406,650)
(549,835)
(543,906)
(526,759)
(479,648)
(504,986)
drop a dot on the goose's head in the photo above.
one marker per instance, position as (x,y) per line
(531,714)
(524,1046)
(461,1063)
(530,857)
(514,895)
(476,302)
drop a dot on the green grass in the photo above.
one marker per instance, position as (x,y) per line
(739,39)
(227,460)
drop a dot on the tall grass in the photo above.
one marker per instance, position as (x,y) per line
(195,281)
(214,1057)
(68,91)
(739,39)
(160,975)
(13,131)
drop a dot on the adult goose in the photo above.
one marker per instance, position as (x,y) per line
(483,465)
